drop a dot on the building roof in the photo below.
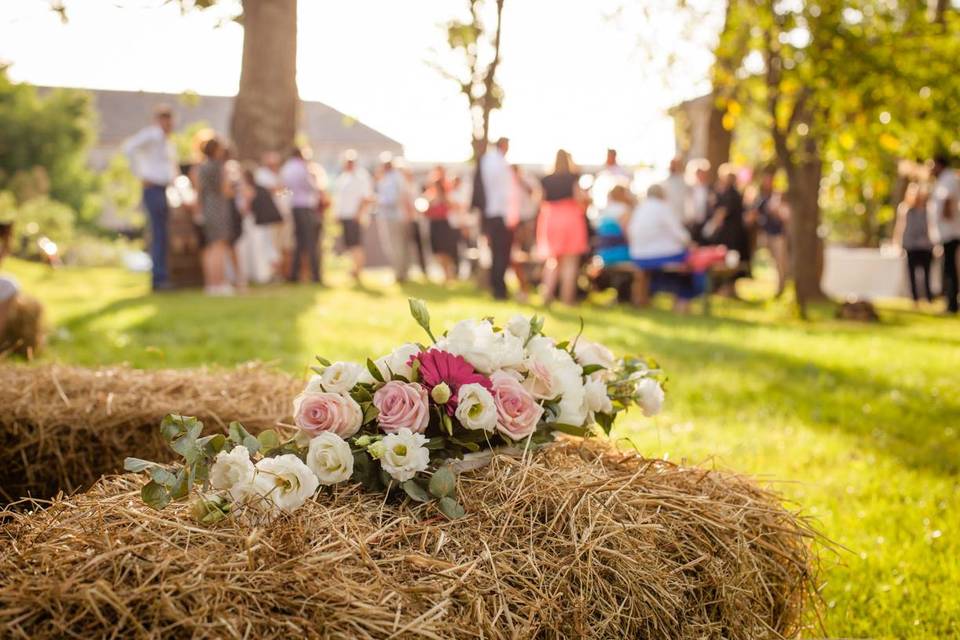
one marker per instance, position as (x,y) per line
(122,113)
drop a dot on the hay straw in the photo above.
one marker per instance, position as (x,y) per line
(578,542)
(23,333)
(61,428)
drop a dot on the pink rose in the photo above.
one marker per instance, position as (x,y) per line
(402,404)
(517,411)
(316,412)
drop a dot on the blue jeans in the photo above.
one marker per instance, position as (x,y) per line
(155,202)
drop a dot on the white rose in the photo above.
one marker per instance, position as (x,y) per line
(650,396)
(396,362)
(476,408)
(595,396)
(589,353)
(330,458)
(519,326)
(233,472)
(285,482)
(551,374)
(487,350)
(404,454)
(340,377)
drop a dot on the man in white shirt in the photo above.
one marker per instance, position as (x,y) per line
(677,191)
(610,176)
(352,195)
(153,159)
(943,203)
(497,178)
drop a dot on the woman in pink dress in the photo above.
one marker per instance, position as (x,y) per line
(562,229)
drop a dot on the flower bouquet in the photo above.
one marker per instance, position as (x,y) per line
(407,422)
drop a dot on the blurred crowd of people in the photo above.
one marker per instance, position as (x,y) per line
(262,223)
(928,219)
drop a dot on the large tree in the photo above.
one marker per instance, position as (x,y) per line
(267,106)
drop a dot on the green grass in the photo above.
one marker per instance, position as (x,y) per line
(857,424)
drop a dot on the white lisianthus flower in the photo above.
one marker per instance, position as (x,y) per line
(285,482)
(397,362)
(339,377)
(553,374)
(233,472)
(476,409)
(650,396)
(519,326)
(404,454)
(593,353)
(330,458)
(477,343)
(595,396)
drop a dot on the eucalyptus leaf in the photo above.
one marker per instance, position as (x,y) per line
(212,445)
(415,491)
(155,495)
(443,483)
(182,484)
(137,465)
(268,440)
(162,476)
(451,508)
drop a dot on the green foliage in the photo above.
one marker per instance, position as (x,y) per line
(44,141)
(853,84)
(41,216)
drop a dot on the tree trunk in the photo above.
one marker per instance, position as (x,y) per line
(489,101)
(718,139)
(267,106)
(806,246)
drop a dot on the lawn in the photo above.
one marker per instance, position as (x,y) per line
(856,424)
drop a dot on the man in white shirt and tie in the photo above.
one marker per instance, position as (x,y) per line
(497,179)
(153,159)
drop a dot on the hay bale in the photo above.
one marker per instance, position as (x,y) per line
(578,542)
(23,332)
(61,427)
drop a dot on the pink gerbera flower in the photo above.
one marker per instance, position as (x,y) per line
(438,367)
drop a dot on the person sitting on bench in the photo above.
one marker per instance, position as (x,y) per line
(659,245)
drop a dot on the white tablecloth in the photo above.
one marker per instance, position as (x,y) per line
(869,273)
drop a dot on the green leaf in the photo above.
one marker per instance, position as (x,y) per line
(269,440)
(155,495)
(451,508)
(447,422)
(184,482)
(323,361)
(563,345)
(570,429)
(137,465)
(592,368)
(212,445)
(418,309)
(443,483)
(374,371)
(239,435)
(436,443)
(466,444)
(162,476)
(317,370)
(415,491)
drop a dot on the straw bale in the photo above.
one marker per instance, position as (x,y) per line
(23,332)
(578,541)
(62,427)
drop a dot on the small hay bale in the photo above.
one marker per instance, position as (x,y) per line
(61,427)
(23,332)
(579,542)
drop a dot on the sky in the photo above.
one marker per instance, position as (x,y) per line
(582,75)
